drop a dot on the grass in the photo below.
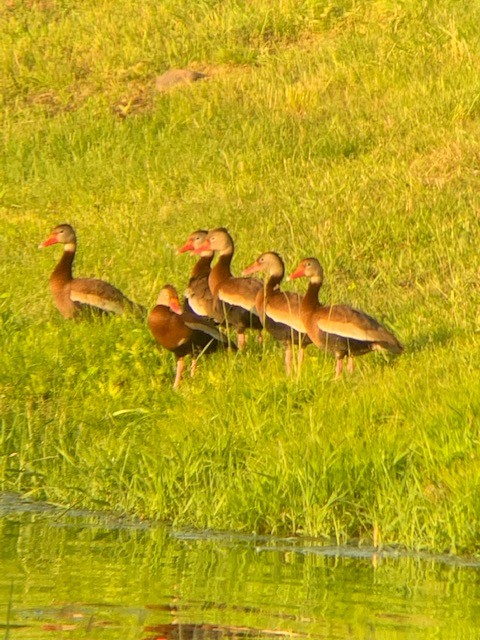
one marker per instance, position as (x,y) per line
(347,131)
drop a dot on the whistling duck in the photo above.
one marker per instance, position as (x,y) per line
(198,297)
(279,310)
(183,332)
(339,329)
(236,296)
(72,296)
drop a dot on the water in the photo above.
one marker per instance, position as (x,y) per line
(74,575)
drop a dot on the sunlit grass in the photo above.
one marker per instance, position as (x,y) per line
(349,132)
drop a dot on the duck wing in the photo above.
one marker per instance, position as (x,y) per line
(347,322)
(101,295)
(196,323)
(240,292)
(284,307)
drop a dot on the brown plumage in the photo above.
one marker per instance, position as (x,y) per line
(279,310)
(198,297)
(183,332)
(339,329)
(235,296)
(75,296)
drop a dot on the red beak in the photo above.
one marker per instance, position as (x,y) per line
(205,246)
(298,273)
(50,240)
(174,305)
(188,246)
(253,268)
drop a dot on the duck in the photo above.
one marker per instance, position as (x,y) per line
(279,311)
(74,297)
(182,332)
(198,297)
(341,330)
(235,296)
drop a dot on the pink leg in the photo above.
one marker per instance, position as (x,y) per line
(193,367)
(241,341)
(260,337)
(338,368)
(350,364)
(288,358)
(300,357)
(178,375)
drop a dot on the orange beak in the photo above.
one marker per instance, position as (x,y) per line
(52,239)
(253,268)
(174,305)
(188,246)
(298,273)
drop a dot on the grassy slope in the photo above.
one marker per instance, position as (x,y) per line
(346,131)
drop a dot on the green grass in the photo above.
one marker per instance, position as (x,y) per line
(347,131)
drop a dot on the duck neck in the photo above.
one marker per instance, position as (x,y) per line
(220,272)
(310,300)
(63,271)
(202,266)
(272,283)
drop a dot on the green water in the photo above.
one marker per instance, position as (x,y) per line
(79,576)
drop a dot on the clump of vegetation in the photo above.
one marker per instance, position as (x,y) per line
(347,131)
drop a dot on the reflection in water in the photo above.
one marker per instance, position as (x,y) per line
(67,575)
